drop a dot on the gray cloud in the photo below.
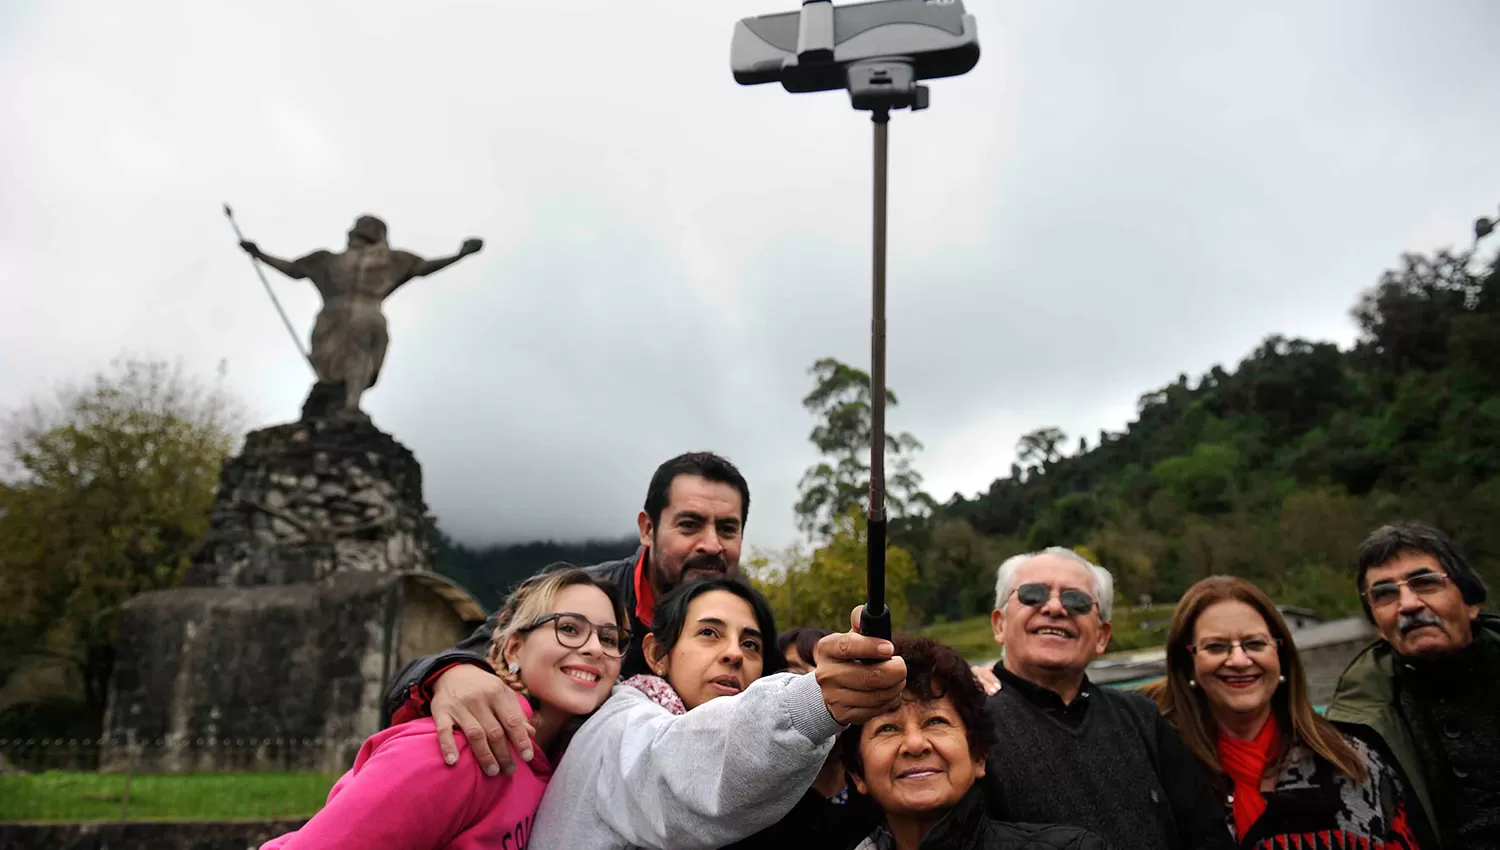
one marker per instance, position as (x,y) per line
(1116,194)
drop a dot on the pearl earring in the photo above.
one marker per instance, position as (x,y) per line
(1192,683)
(1281,678)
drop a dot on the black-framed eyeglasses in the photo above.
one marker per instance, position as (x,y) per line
(1422,584)
(573,631)
(1221,649)
(1076,602)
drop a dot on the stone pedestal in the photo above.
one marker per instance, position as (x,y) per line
(306,500)
(308,594)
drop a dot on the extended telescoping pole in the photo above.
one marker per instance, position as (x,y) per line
(876,618)
(880,86)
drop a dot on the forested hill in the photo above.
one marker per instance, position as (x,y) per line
(1273,470)
(490,572)
(1276,469)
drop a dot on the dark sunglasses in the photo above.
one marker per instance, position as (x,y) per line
(1076,602)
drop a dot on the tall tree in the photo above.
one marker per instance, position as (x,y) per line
(829,489)
(105,492)
(1040,447)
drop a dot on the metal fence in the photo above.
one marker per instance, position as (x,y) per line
(57,780)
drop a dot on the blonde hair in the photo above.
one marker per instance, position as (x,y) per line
(532,600)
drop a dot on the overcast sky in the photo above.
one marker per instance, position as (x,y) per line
(1119,192)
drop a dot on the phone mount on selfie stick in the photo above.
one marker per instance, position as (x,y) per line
(878,52)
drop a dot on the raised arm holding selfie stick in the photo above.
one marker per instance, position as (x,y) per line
(878,52)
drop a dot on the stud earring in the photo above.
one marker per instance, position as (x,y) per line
(1192,683)
(514,668)
(1281,678)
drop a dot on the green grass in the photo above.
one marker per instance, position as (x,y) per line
(974,639)
(67,796)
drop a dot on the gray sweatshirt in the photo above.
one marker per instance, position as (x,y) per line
(638,776)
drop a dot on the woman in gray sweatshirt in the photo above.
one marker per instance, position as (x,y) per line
(705,752)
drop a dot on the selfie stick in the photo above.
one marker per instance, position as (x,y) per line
(880,86)
(877,51)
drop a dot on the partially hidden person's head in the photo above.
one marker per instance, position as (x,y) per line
(919,759)
(694,519)
(1232,663)
(799,647)
(1052,612)
(559,638)
(1418,589)
(711,638)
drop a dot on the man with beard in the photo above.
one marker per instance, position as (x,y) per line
(1067,751)
(690,527)
(1424,691)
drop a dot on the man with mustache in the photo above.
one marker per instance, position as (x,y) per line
(690,527)
(1424,691)
(1069,752)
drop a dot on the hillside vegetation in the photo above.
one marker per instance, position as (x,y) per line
(1273,469)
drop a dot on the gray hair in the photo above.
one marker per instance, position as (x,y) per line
(1104,582)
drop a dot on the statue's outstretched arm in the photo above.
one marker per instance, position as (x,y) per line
(413,266)
(294,269)
(423,267)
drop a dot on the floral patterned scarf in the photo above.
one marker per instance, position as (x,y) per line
(658,690)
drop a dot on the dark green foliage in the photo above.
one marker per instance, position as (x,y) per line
(1277,469)
(491,572)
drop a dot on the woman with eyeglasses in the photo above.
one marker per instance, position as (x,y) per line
(713,747)
(559,643)
(1237,693)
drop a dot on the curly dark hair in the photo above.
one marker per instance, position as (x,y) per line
(933,671)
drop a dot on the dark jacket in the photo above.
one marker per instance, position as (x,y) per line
(1365,705)
(817,823)
(412,688)
(967,827)
(1108,762)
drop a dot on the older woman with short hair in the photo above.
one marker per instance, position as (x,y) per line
(1237,693)
(919,762)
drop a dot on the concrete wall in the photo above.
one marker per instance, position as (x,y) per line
(428,625)
(1327,649)
(142,836)
(265,678)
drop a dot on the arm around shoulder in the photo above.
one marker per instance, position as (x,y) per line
(412,687)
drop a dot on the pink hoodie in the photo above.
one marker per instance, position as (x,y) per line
(400,794)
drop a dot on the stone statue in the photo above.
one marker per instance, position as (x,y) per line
(349,338)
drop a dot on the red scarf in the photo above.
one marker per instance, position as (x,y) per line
(1245,762)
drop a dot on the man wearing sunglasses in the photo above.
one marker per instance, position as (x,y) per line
(1424,692)
(1069,752)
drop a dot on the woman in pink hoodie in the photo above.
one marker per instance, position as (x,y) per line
(559,642)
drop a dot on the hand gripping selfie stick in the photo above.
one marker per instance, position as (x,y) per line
(878,52)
